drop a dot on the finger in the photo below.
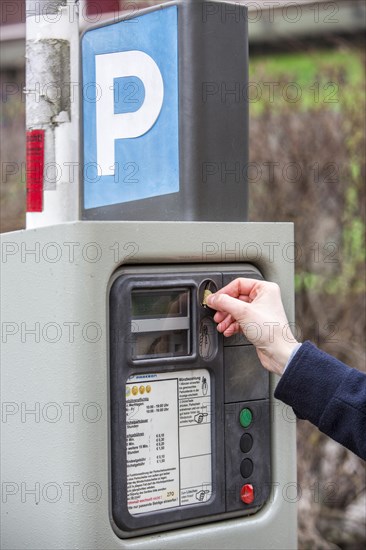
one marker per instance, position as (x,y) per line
(224,325)
(221,316)
(244,298)
(223,302)
(239,287)
(234,328)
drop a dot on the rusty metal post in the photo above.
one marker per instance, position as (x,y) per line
(52,109)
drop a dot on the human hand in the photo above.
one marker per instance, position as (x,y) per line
(255,308)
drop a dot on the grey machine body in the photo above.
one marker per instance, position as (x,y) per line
(56,383)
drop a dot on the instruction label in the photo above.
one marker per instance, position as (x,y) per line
(168,440)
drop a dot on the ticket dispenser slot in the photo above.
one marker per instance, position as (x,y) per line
(190,430)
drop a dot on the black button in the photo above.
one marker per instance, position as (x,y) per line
(246,467)
(246,443)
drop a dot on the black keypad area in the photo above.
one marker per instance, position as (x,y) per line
(247,454)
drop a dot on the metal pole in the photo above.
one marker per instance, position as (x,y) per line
(52,110)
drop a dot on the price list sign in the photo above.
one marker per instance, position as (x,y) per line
(168,446)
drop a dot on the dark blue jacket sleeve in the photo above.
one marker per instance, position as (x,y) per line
(329,394)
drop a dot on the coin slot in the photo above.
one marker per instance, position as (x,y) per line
(207,339)
(207,288)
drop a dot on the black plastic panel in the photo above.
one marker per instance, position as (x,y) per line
(237,381)
(123,365)
(245,378)
(237,339)
(258,455)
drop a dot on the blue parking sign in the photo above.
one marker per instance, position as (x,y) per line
(130,109)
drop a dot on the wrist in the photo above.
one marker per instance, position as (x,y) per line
(282,355)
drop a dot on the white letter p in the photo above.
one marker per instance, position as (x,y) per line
(110,125)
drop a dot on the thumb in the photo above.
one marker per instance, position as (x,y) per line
(223,302)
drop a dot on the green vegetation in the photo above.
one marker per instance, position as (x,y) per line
(316,97)
(317,79)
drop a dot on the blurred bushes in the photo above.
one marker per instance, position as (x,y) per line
(12,153)
(311,159)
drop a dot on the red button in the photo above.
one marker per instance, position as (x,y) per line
(247,493)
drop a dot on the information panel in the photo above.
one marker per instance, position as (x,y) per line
(169,455)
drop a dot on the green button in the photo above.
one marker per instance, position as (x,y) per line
(246,417)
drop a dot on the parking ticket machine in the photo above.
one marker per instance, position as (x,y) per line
(128,421)
(190,428)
